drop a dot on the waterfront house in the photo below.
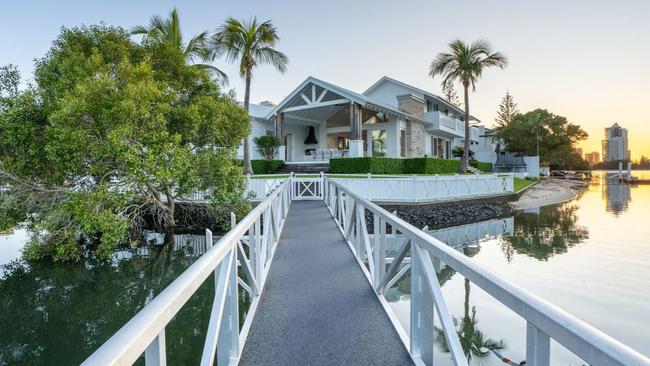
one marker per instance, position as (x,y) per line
(319,120)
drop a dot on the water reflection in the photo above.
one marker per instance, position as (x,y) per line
(59,314)
(541,235)
(475,343)
(617,196)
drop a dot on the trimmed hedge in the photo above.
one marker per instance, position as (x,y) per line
(483,167)
(263,166)
(366,165)
(393,166)
(430,166)
(266,166)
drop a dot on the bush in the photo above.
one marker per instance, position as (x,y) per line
(366,165)
(483,167)
(266,166)
(267,146)
(430,166)
(393,166)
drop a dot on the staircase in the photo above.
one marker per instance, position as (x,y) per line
(306,168)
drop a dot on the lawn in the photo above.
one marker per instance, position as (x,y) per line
(522,183)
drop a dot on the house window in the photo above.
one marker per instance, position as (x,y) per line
(379,143)
(438,147)
(270,133)
(402,143)
(431,106)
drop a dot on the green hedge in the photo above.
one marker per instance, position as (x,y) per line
(366,165)
(430,166)
(264,166)
(393,166)
(483,167)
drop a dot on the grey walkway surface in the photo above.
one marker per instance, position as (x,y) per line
(317,307)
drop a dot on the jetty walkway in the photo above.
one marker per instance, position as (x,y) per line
(316,270)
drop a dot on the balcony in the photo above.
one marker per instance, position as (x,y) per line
(447,126)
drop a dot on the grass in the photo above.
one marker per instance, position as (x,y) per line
(522,183)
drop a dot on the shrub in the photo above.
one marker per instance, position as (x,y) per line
(377,165)
(366,165)
(264,166)
(483,167)
(267,146)
(430,166)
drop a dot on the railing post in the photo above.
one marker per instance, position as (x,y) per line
(538,348)
(228,341)
(422,311)
(155,354)
(379,231)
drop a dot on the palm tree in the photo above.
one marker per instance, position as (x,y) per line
(249,43)
(465,64)
(474,342)
(168,30)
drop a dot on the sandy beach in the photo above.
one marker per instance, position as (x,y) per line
(548,192)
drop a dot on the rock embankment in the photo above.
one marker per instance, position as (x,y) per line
(452,214)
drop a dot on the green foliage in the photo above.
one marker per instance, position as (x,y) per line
(557,138)
(377,165)
(507,110)
(267,145)
(482,166)
(430,166)
(465,63)
(266,166)
(366,165)
(457,152)
(112,130)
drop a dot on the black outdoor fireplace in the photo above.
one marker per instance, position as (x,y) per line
(311,137)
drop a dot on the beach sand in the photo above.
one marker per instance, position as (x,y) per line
(548,192)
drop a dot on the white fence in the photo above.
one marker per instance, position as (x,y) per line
(251,244)
(398,189)
(423,189)
(425,255)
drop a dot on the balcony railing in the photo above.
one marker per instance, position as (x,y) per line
(448,125)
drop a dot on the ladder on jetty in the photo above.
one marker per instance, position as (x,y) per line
(317,272)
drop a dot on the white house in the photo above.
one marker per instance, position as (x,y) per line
(319,120)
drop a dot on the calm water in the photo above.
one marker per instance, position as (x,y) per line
(590,257)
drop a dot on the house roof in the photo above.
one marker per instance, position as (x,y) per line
(440,99)
(258,110)
(355,97)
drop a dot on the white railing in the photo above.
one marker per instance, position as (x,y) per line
(144,334)
(259,187)
(423,189)
(426,255)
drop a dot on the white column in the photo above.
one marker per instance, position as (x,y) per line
(356,148)
(282,152)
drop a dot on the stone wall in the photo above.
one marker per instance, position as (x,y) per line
(415,135)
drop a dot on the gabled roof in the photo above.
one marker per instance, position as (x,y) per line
(258,110)
(355,97)
(440,99)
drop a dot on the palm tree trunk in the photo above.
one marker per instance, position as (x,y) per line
(248,167)
(465,160)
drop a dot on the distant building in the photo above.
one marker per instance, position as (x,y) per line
(579,150)
(615,146)
(592,157)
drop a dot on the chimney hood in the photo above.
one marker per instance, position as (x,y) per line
(311,137)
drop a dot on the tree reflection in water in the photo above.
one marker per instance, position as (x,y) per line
(58,314)
(541,235)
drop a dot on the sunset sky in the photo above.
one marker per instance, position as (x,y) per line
(586,60)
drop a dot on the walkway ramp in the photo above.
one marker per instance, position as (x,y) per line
(317,307)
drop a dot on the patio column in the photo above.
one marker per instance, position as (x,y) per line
(278,121)
(356,141)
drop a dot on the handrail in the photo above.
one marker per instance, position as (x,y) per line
(543,318)
(145,332)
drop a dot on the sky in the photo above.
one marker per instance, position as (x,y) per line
(585,60)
